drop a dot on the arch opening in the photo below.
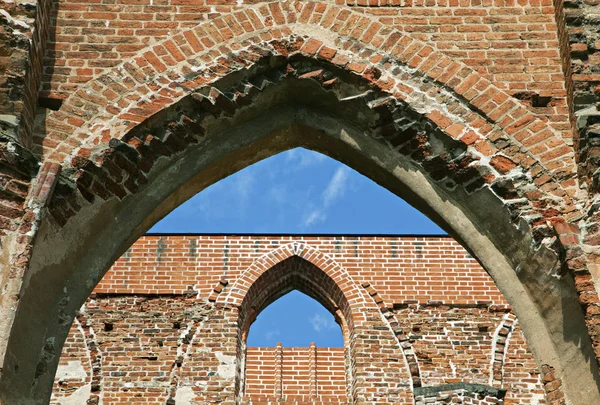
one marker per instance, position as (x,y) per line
(295,320)
(296,112)
(296,273)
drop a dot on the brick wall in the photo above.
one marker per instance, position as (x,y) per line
(478,345)
(401,269)
(514,44)
(161,326)
(302,374)
(582,18)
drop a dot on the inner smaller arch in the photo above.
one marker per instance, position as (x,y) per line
(294,273)
(302,370)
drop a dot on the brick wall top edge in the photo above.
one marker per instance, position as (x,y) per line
(399,269)
(296,235)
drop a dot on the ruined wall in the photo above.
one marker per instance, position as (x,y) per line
(495,92)
(157,328)
(394,266)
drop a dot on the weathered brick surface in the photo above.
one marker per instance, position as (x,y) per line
(24,30)
(480,98)
(160,320)
(74,378)
(458,396)
(110,88)
(582,19)
(467,341)
(514,45)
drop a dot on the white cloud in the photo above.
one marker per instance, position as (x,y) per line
(336,187)
(314,217)
(321,323)
(280,185)
(272,333)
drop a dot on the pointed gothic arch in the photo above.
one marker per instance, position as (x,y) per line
(297,266)
(409,121)
(348,288)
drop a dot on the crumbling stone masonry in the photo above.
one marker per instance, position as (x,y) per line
(421,320)
(481,113)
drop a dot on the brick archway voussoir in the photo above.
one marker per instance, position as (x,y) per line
(497,159)
(156,78)
(485,143)
(342,279)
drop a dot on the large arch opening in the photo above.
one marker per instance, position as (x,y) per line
(203,139)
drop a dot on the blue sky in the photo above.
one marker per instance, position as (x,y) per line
(298,191)
(295,320)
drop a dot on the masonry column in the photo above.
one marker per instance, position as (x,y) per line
(312,364)
(278,371)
